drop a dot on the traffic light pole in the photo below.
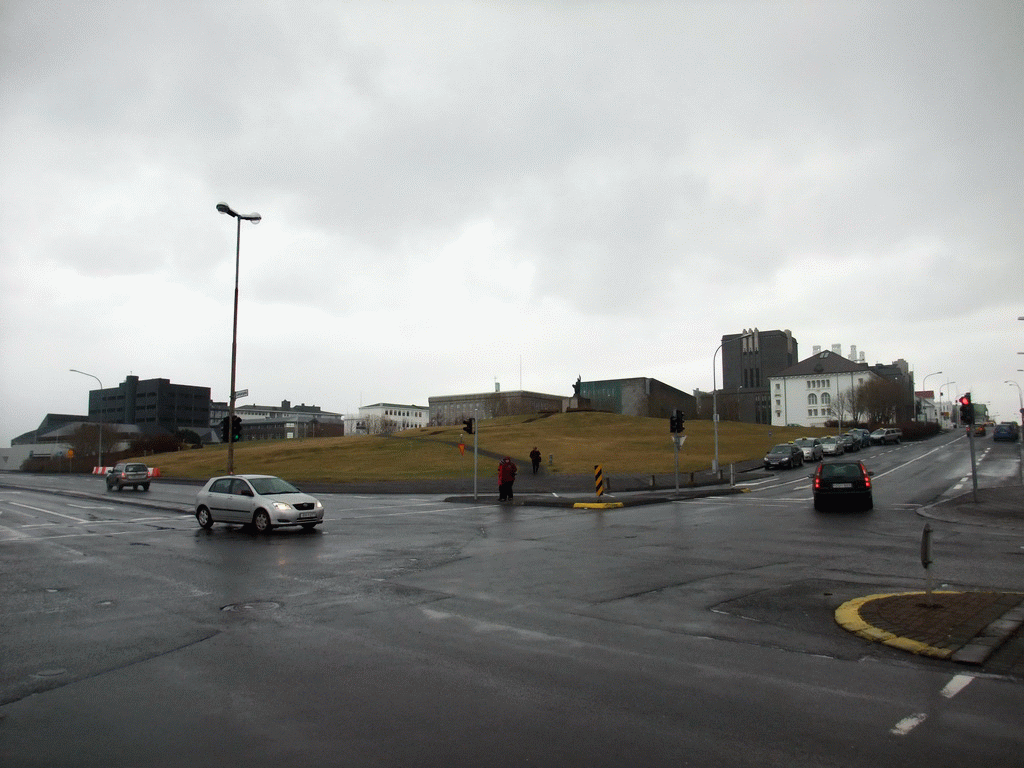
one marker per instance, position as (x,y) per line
(476,438)
(974,461)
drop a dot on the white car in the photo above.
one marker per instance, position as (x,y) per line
(263,501)
(832,446)
(811,446)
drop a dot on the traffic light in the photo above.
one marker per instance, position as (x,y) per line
(966,410)
(675,422)
(236,429)
(470,426)
(225,432)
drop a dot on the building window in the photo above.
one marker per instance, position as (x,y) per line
(826,398)
(812,399)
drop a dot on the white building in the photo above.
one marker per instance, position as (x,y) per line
(387,417)
(810,393)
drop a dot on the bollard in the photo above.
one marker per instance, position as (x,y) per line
(926,560)
(598,480)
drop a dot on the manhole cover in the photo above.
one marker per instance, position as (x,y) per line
(51,672)
(257,607)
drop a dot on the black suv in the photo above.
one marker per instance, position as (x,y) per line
(135,475)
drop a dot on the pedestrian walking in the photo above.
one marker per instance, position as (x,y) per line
(506,476)
(535,459)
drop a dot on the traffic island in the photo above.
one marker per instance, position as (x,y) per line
(966,627)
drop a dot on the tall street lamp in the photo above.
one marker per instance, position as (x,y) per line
(714,392)
(254,218)
(952,408)
(99,444)
(924,384)
(1020,396)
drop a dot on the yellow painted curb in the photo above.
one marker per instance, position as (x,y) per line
(848,617)
(597,505)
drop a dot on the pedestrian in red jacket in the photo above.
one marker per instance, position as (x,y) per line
(506,476)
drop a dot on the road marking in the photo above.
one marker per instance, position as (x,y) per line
(49,512)
(907,724)
(957,684)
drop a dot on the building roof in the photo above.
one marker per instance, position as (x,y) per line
(822,362)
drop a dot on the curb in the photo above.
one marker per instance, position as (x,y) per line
(974,646)
(577,503)
(848,617)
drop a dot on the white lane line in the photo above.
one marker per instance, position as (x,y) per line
(48,512)
(951,689)
(957,684)
(907,724)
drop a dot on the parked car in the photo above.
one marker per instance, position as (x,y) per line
(851,442)
(264,501)
(134,474)
(811,446)
(842,482)
(784,455)
(865,436)
(886,436)
(1007,430)
(832,446)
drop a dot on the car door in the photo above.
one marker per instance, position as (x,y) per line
(240,501)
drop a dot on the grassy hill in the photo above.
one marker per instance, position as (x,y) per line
(577,441)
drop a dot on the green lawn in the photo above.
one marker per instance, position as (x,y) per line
(577,441)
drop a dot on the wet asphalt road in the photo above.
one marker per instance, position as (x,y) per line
(409,630)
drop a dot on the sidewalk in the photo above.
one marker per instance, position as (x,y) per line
(976,628)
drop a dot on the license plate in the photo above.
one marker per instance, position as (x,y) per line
(842,485)
(307,516)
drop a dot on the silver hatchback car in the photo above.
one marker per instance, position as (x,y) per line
(263,501)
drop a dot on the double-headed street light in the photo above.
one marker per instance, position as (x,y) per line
(99,444)
(254,218)
(714,392)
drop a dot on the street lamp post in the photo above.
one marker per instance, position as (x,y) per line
(254,218)
(952,408)
(714,393)
(99,443)
(924,384)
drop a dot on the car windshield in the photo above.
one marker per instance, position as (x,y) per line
(135,468)
(804,441)
(269,486)
(878,432)
(829,440)
(780,449)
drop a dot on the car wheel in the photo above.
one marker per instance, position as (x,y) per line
(310,526)
(869,504)
(204,517)
(819,506)
(262,521)
(145,486)
(120,488)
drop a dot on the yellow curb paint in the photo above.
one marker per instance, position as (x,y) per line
(849,618)
(597,505)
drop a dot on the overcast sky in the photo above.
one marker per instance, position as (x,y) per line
(455,194)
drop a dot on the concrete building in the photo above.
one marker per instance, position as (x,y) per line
(384,418)
(151,402)
(279,422)
(747,366)
(447,410)
(637,397)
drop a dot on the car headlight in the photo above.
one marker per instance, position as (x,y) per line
(280,506)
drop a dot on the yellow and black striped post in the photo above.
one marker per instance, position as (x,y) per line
(598,480)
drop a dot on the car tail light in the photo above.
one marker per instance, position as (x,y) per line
(867,478)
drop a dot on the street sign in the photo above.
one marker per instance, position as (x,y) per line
(241,393)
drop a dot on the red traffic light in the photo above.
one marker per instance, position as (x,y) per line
(965,400)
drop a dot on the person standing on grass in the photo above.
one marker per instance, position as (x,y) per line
(506,476)
(535,459)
